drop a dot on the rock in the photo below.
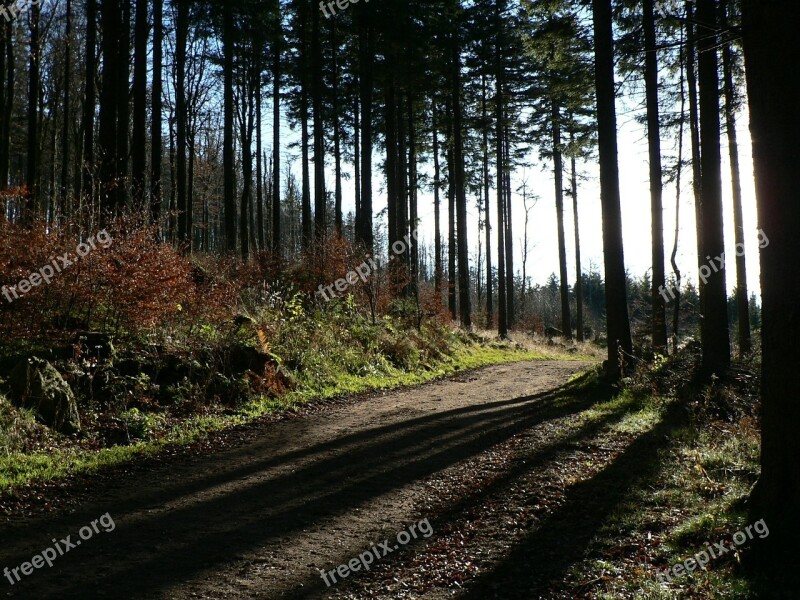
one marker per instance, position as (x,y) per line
(36,384)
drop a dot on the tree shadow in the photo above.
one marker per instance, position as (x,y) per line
(540,562)
(217,517)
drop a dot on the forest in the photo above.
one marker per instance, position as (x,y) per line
(283,278)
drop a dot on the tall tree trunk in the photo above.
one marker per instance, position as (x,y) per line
(7,51)
(123,108)
(320,202)
(412,195)
(246,130)
(618,323)
(464,301)
(714,323)
(485,124)
(742,298)
(401,180)
(390,135)
(578,269)
(65,159)
(771,45)
(32,170)
(509,245)
(451,218)
(365,65)
(337,151)
(4,34)
(502,314)
(276,134)
(694,125)
(181,114)
(228,157)
(558,177)
(307,225)
(259,168)
(437,209)
(88,173)
(659,306)
(155,125)
(192,152)
(357,165)
(676,311)
(139,146)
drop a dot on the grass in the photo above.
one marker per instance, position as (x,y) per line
(704,472)
(19,468)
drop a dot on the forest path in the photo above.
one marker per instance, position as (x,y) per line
(259,519)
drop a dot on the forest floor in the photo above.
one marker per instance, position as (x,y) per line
(520,471)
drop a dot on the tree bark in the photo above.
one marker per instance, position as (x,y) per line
(181,110)
(618,323)
(437,211)
(32,170)
(742,298)
(155,126)
(771,45)
(365,65)
(337,150)
(487,215)
(7,51)
(259,167)
(578,269)
(276,134)
(558,177)
(90,96)
(502,315)
(123,109)
(452,301)
(320,221)
(139,158)
(228,157)
(694,126)
(714,309)
(464,301)
(65,160)
(659,305)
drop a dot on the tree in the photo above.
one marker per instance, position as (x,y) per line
(181,116)
(139,145)
(276,127)
(155,127)
(228,158)
(714,300)
(770,44)
(89,100)
(34,58)
(617,319)
(659,308)
(729,64)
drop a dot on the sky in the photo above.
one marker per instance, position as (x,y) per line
(635,202)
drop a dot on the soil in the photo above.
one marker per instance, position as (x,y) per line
(477,455)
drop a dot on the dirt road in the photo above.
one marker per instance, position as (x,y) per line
(260,519)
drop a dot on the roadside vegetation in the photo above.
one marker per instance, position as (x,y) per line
(91,380)
(693,492)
